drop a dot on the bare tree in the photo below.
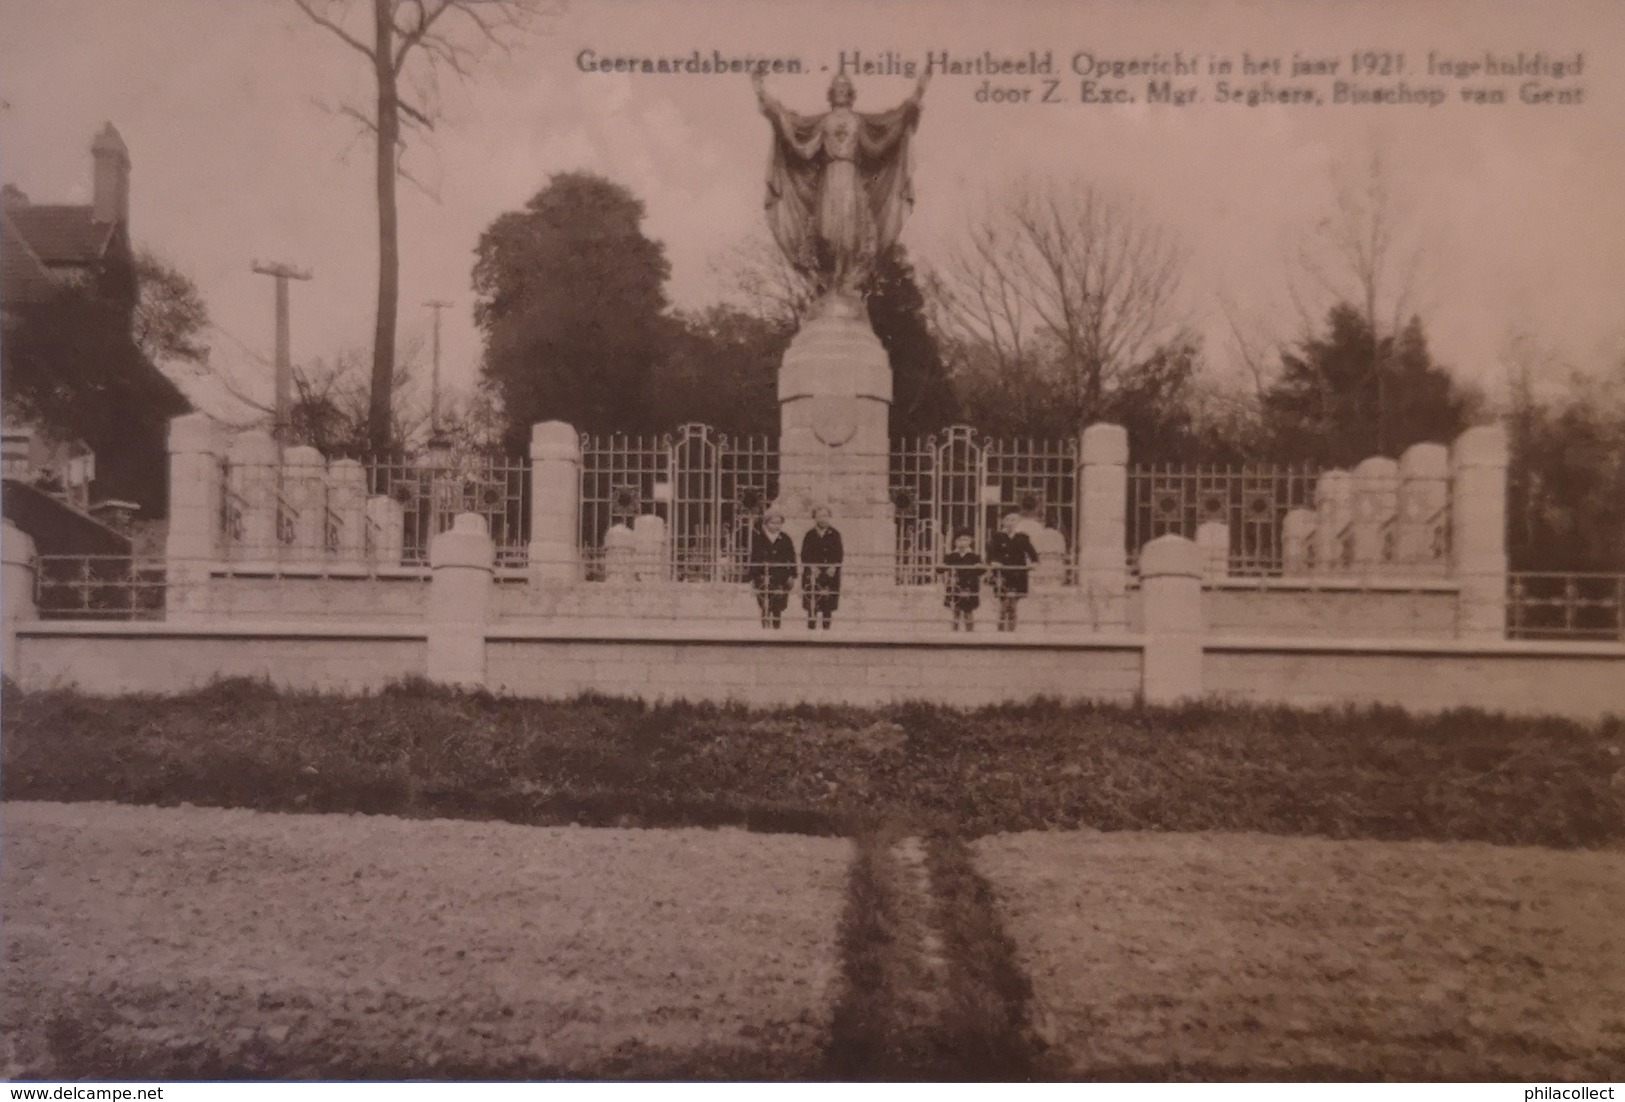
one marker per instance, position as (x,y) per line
(410,42)
(1064,279)
(754,270)
(1363,253)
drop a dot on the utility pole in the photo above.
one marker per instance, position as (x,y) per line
(283,424)
(436,305)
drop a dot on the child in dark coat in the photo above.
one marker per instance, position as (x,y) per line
(963,569)
(821,556)
(772,568)
(1011,555)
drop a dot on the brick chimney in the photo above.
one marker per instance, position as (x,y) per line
(112,178)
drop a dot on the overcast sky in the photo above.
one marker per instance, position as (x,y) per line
(1518,212)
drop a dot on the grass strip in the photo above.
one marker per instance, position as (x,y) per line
(419,751)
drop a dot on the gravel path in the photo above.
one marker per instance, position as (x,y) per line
(1248,956)
(198,940)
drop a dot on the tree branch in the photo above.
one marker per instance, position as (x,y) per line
(322,21)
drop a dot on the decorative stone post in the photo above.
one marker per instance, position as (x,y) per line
(1297,541)
(1171,588)
(649,548)
(386,521)
(1376,500)
(463,561)
(196,504)
(304,488)
(17,565)
(620,554)
(254,469)
(1424,508)
(1103,522)
(1478,466)
(347,497)
(1213,540)
(555,502)
(1334,514)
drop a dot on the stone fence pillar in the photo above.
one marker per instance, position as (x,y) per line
(1171,588)
(1297,541)
(1376,500)
(347,497)
(463,563)
(254,469)
(304,489)
(1334,515)
(386,521)
(196,511)
(1478,521)
(1424,508)
(1213,540)
(555,502)
(1103,522)
(17,566)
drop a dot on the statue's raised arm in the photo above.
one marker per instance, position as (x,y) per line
(839,186)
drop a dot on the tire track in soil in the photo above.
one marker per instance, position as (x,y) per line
(932,988)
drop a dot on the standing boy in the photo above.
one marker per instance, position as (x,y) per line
(1011,555)
(821,556)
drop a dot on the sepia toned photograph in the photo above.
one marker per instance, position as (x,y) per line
(710,541)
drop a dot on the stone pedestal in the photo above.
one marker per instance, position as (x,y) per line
(16,591)
(834,444)
(1478,465)
(462,560)
(1171,587)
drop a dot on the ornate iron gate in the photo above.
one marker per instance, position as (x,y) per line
(958,481)
(707,488)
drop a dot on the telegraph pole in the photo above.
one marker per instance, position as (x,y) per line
(283,424)
(436,305)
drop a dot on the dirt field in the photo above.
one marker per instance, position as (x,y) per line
(1246,956)
(188,942)
(357,944)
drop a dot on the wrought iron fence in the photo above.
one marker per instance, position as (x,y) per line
(99,587)
(1252,501)
(958,481)
(265,515)
(1566,606)
(703,488)
(432,491)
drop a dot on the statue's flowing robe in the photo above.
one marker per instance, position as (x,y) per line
(839,188)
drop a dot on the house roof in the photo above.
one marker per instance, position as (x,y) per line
(22,277)
(62,233)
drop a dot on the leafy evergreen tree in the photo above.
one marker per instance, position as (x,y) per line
(1348,395)
(571,300)
(923,399)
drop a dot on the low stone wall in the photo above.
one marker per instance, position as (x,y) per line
(810,669)
(112,658)
(1349,613)
(1577,680)
(333,595)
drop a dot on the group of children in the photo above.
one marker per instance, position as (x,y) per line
(772,571)
(774,566)
(1010,557)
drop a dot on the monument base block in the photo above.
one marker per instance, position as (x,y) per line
(834,446)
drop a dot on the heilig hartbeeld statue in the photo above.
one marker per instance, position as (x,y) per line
(838,186)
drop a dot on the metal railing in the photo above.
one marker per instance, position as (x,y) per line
(1566,606)
(1252,501)
(431,494)
(99,587)
(959,481)
(695,494)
